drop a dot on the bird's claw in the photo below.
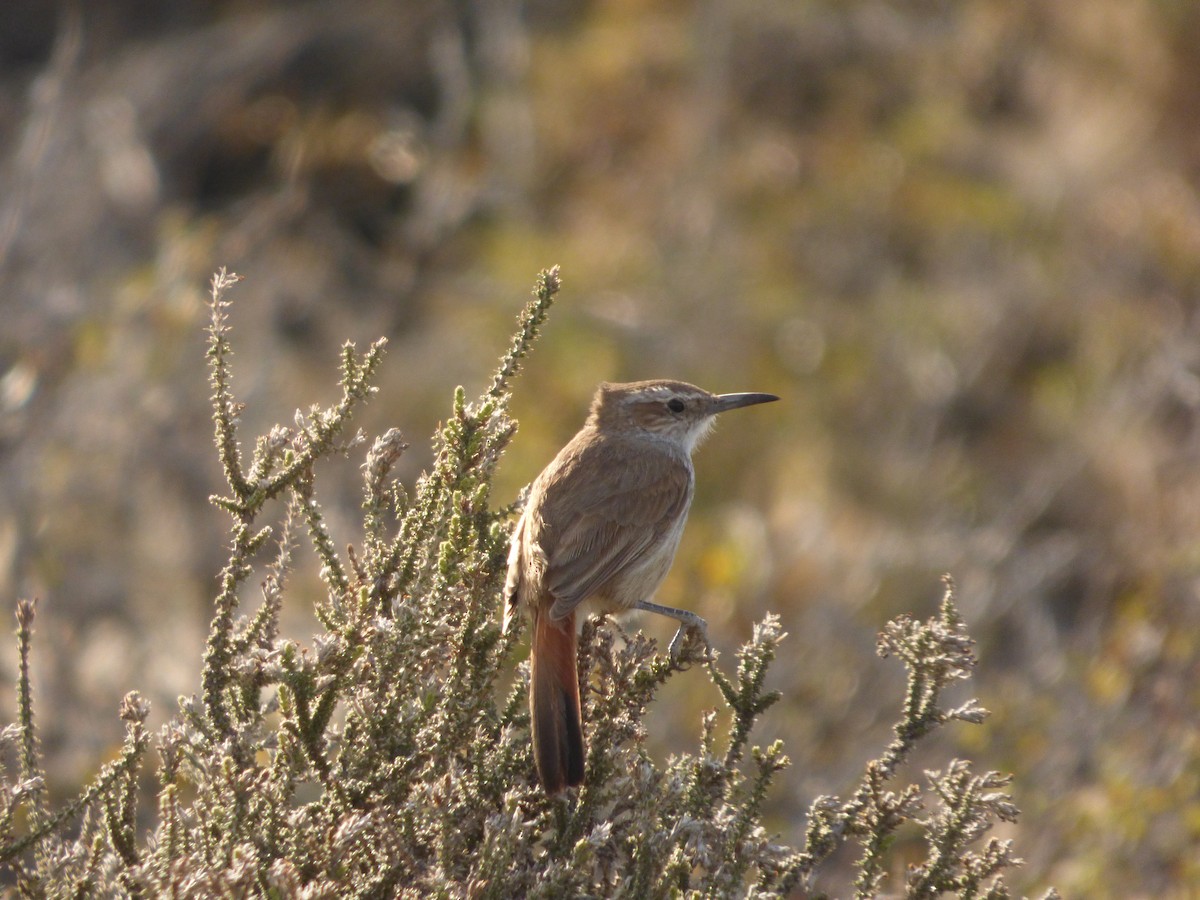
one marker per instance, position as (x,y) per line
(699,628)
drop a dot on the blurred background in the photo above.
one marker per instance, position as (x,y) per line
(960,239)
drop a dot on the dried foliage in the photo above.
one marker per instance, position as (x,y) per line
(390,756)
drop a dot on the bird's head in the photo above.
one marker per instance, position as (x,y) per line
(670,410)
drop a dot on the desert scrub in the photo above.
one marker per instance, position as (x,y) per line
(386,758)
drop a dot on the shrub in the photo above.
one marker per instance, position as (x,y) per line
(388,758)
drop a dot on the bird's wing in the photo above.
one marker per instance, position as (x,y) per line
(598,519)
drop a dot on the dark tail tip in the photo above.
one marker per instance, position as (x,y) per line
(573,764)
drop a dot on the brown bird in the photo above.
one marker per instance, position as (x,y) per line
(601,525)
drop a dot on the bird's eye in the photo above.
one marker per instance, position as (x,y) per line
(675,405)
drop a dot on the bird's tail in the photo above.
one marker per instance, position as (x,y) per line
(554,703)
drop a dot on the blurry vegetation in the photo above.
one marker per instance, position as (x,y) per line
(961,239)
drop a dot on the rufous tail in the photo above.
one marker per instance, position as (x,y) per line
(554,703)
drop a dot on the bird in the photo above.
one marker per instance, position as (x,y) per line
(598,534)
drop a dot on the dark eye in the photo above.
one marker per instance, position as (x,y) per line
(675,405)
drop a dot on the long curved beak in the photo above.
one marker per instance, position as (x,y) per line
(733,401)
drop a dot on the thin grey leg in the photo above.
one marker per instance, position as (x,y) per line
(688,621)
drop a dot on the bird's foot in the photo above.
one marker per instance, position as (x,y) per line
(689,623)
(693,625)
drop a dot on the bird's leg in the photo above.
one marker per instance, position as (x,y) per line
(688,621)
